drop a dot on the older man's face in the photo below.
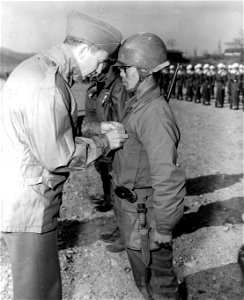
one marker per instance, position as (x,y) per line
(91,61)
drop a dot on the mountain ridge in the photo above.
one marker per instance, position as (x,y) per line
(10,59)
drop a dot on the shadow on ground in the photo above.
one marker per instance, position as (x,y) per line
(213,214)
(73,233)
(220,283)
(210,183)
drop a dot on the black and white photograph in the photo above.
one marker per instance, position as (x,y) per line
(121,150)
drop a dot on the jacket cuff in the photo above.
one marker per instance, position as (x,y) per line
(102,143)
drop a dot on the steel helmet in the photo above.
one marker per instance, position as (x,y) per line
(206,66)
(212,67)
(172,67)
(220,66)
(235,66)
(189,67)
(143,50)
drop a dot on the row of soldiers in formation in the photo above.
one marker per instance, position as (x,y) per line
(201,83)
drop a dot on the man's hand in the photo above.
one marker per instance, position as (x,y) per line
(107,126)
(116,138)
(160,239)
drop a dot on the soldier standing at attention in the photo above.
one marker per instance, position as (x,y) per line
(213,80)
(241,86)
(197,83)
(229,71)
(189,83)
(105,100)
(180,81)
(221,79)
(206,85)
(40,147)
(235,79)
(149,186)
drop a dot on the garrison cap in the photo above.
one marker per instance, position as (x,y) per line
(99,33)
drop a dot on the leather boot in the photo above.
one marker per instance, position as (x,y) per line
(112,236)
(116,246)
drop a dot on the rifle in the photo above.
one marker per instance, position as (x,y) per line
(172,82)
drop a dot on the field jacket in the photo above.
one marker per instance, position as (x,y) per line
(104,102)
(148,161)
(38,142)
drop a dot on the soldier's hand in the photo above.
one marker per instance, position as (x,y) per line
(116,138)
(107,126)
(161,239)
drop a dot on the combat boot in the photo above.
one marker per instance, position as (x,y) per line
(116,246)
(112,236)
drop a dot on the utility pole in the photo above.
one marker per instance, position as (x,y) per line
(219,47)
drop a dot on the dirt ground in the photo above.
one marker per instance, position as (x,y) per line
(205,242)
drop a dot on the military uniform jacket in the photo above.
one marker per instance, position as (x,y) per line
(148,157)
(221,77)
(104,102)
(180,78)
(38,142)
(189,79)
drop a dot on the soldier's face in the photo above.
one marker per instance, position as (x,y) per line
(129,76)
(90,61)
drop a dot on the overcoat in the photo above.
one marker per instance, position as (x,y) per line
(38,140)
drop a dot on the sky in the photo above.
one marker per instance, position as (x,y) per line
(201,26)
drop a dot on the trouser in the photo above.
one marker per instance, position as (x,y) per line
(189,93)
(234,95)
(35,265)
(197,93)
(179,92)
(103,167)
(162,279)
(206,94)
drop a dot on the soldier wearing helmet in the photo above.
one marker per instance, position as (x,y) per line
(149,186)
(197,83)
(180,81)
(105,100)
(221,80)
(189,79)
(229,72)
(235,79)
(212,80)
(241,88)
(206,85)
